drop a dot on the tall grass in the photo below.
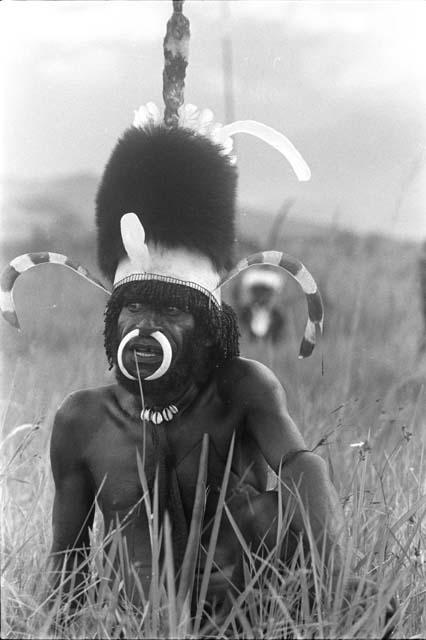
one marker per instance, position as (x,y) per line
(340,400)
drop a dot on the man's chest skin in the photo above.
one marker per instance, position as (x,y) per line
(116,438)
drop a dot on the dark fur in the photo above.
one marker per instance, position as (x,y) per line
(178,184)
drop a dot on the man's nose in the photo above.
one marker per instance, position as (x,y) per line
(148,322)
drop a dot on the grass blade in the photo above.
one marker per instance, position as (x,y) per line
(191,552)
(213,538)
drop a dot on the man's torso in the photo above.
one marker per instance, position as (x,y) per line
(115,437)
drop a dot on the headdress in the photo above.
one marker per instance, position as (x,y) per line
(165,208)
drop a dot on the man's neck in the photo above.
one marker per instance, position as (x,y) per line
(132,403)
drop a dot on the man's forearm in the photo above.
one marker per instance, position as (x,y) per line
(306,484)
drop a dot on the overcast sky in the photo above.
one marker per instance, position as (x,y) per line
(345,81)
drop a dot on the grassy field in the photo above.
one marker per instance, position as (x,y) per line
(346,399)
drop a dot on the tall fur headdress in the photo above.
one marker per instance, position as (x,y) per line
(165,208)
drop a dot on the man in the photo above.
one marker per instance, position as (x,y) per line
(97,433)
(165,215)
(257,301)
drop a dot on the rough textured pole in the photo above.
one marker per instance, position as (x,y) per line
(176,48)
(228,79)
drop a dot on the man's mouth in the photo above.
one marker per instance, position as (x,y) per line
(147,352)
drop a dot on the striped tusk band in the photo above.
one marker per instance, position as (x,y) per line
(302,276)
(27,261)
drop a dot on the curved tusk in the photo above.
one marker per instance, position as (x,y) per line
(167,355)
(274,138)
(27,261)
(129,336)
(299,272)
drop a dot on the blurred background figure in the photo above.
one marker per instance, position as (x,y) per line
(257,296)
(258,301)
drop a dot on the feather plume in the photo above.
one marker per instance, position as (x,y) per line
(272,137)
(133,236)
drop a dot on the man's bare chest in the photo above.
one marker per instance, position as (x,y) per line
(126,453)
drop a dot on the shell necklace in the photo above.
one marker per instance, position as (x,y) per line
(157,416)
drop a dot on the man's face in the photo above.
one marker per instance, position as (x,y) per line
(176,325)
(262,296)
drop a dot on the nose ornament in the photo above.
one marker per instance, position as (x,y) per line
(165,346)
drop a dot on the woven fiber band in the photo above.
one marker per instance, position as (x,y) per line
(138,277)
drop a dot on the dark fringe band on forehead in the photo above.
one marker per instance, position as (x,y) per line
(216,323)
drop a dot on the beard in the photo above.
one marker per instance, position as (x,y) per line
(194,364)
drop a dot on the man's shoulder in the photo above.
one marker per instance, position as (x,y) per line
(240,367)
(245,374)
(75,421)
(79,403)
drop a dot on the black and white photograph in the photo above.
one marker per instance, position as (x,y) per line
(213,319)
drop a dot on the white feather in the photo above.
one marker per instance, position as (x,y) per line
(272,137)
(133,236)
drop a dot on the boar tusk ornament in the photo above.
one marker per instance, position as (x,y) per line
(166,349)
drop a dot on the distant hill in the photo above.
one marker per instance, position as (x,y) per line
(58,215)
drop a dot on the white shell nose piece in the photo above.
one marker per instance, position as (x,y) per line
(125,340)
(165,346)
(167,355)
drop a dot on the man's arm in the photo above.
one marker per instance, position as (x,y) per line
(73,508)
(281,443)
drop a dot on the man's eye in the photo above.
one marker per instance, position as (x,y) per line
(172,311)
(134,306)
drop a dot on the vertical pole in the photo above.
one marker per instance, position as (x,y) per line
(227,65)
(176,50)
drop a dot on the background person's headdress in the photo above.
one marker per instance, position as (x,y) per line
(165,208)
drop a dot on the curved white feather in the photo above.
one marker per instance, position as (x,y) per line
(133,236)
(148,114)
(272,137)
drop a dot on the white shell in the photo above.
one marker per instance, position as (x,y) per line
(167,414)
(146,414)
(167,356)
(125,340)
(157,418)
